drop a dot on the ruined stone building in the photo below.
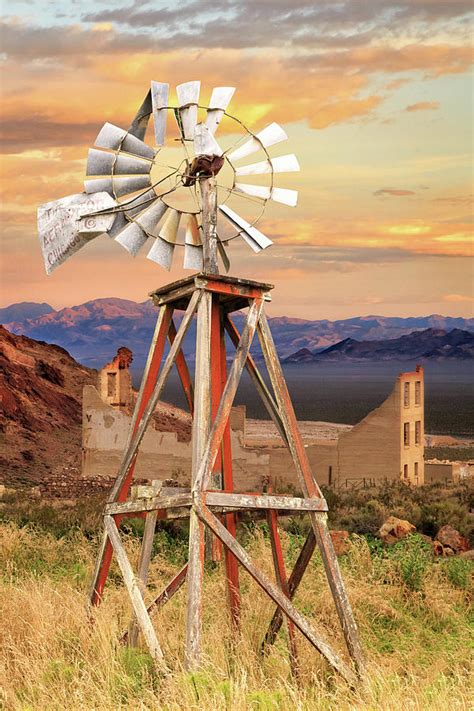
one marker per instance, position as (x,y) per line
(115,382)
(388,444)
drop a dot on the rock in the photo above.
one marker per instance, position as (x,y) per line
(451,538)
(340,540)
(441,551)
(394,529)
(467,555)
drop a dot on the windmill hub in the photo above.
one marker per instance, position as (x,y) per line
(203,167)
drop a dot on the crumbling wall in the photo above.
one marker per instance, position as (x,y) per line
(161,455)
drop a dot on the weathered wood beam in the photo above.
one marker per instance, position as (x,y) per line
(133,588)
(293,583)
(183,370)
(228,395)
(311,489)
(144,561)
(230,519)
(272,590)
(258,381)
(164,596)
(153,504)
(255,501)
(159,385)
(121,486)
(201,424)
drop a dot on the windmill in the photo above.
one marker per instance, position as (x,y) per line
(135,194)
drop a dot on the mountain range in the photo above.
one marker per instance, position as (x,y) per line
(92,331)
(430,344)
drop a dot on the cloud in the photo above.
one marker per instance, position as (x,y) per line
(454,200)
(458,298)
(20,134)
(423,106)
(395,192)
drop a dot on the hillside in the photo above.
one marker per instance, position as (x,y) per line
(90,331)
(40,419)
(41,410)
(431,344)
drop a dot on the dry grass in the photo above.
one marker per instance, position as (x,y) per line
(53,657)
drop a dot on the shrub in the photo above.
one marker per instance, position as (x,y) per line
(458,572)
(413,560)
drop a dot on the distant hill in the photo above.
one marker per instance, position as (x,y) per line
(24,311)
(430,344)
(92,331)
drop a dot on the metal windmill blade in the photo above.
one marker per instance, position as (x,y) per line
(188,100)
(136,233)
(282,164)
(159,102)
(121,201)
(254,238)
(286,197)
(220,99)
(193,257)
(269,136)
(163,247)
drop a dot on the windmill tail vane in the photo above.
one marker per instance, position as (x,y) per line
(120,200)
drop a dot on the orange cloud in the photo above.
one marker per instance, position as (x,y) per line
(423,106)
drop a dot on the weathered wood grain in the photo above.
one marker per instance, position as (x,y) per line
(201,424)
(293,583)
(256,501)
(164,596)
(121,486)
(134,592)
(280,575)
(150,504)
(144,561)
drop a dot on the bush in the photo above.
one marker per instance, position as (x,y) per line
(458,572)
(413,560)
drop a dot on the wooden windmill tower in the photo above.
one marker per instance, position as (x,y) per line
(125,200)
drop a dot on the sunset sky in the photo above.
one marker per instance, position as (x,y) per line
(376,98)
